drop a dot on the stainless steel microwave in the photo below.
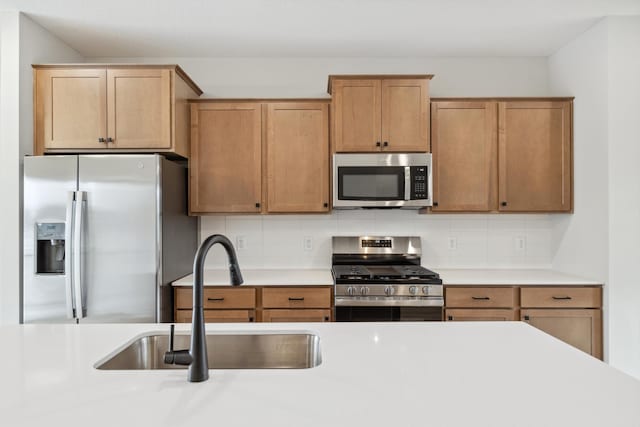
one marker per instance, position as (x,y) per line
(398,180)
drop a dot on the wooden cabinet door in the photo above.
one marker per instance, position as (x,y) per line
(582,328)
(225,164)
(71,108)
(480,315)
(218,316)
(534,139)
(464,142)
(405,115)
(306,315)
(139,102)
(297,157)
(356,115)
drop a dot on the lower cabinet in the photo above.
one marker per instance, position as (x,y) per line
(572,314)
(223,304)
(480,315)
(302,315)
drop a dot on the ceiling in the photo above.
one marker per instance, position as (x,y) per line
(317,28)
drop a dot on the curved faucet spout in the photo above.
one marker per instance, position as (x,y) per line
(199,366)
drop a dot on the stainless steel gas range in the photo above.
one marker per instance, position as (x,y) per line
(380,279)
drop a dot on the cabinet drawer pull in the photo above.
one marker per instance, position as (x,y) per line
(481,298)
(216,299)
(561,298)
(296,299)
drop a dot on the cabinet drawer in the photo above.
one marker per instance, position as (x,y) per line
(481,315)
(296,297)
(561,297)
(478,297)
(218,298)
(218,316)
(308,315)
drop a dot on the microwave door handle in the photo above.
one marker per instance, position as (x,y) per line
(407,183)
(77,252)
(68,256)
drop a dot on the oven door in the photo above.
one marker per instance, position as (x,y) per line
(388,314)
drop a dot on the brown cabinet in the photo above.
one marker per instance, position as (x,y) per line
(534,141)
(107,108)
(264,304)
(380,113)
(259,156)
(225,167)
(221,304)
(502,155)
(464,144)
(571,314)
(297,151)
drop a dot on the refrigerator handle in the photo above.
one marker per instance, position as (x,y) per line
(78,226)
(68,256)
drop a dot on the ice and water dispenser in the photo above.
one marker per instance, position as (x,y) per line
(50,248)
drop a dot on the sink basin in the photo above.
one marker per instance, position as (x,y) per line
(225,351)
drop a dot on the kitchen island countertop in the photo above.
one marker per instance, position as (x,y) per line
(372,374)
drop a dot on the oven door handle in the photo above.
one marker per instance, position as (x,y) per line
(389,302)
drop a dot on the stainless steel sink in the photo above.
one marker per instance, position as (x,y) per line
(225,351)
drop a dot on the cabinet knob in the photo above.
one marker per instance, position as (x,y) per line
(102,140)
(527,318)
(435,204)
(503,204)
(449,317)
(257,205)
(326,318)
(326,205)
(109,139)
(378,144)
(385,144)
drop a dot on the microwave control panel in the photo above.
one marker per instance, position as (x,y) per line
(419,187)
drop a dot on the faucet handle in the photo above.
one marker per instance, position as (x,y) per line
(176,357)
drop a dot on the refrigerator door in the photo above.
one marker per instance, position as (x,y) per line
(120,225)
(49,188)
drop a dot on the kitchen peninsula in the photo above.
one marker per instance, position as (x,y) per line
(372,374)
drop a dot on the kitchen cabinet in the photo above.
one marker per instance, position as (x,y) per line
(225,168)
(572,314)
(535,156)
(262,304)
(259,156)
(297,151)
(380,113)
(221,304)
(464,143)
(112,108)
(502,155)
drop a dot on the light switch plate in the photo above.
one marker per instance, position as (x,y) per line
(520,244)
(307,243)
(241,243)
(453,243)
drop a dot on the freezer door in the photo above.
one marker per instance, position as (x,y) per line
(49,186)
(119,255)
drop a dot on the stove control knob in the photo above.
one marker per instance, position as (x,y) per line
(351,291)
(364,291)
(389,290)
(425,290)
(413,290)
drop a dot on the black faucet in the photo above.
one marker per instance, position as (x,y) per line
(196,356)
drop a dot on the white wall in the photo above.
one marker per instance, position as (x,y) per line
(277,241)
(25,43)
(624,192)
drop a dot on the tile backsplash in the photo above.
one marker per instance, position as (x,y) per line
(448,241)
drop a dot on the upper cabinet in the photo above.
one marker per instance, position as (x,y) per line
(98,108)
(259,156)
(535,153)
(502,155)
(380,113)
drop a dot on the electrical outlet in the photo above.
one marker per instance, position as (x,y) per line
(520,243)
(241,243)
(453,243)
(307,243)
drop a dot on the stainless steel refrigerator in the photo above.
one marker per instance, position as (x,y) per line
(104,235)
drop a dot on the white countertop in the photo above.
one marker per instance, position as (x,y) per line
(302,277)
(263,277)
(372,374)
